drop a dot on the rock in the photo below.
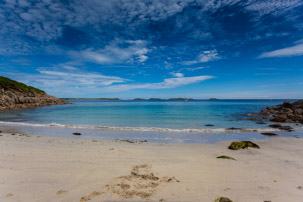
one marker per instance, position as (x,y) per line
(280,118)
(242,145)
(15,95)
(209,125)
(285,113)
(275,126)
(226,157)
(260,122)
(77,134)
(287,104)
(254,119)
(128,141)
(232,128)
(223,199)
(286,128)
(269,134)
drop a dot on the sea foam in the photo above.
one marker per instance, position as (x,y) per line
(141,129)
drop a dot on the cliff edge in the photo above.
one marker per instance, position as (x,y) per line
(15,95)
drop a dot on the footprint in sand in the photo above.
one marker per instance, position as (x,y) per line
(90,196)
(141,182)
(61,192)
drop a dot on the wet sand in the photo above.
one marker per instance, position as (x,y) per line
(42,168)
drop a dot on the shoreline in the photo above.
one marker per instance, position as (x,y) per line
(47,168)
(162,136)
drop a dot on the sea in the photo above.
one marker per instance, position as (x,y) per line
(165,121)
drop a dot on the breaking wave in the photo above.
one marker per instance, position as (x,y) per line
(141,129)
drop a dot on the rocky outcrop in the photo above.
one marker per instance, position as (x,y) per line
(285,113)
(15,95)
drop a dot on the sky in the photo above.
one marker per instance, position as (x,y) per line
(155,48)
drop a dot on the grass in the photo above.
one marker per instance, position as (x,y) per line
(7,83)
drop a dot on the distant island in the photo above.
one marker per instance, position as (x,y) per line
(139,99)
(14,95)
(182,99)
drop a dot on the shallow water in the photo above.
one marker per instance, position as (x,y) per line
(156,121)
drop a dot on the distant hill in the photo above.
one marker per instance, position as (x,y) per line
(14,95)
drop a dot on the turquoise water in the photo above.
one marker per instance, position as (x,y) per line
(158,121)
(159,114)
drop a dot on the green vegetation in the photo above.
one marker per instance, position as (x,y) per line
(223,199)
(7,83)
(226,157)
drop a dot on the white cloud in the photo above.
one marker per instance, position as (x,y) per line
(205,56)
(177,74)
(273,7)
(100,58)
(116,52)
(296,50)
(167,83)
(83,78)
(69,67)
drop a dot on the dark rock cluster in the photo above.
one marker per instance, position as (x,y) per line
(285,113)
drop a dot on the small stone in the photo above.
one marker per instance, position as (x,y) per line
(275,125)
(232,128)
(269,134)
(9,195)
(61,192)
(286,128)
(260,122)
(77,134)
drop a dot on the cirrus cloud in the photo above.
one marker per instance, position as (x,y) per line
(296,50)
(166,84)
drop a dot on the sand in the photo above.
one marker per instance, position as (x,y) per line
(41,168)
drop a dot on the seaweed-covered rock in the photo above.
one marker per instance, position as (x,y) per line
(226,157)
(242,145)
(223,199)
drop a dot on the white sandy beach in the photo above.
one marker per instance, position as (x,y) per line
(40,168)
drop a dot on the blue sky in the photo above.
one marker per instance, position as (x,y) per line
(155,48)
